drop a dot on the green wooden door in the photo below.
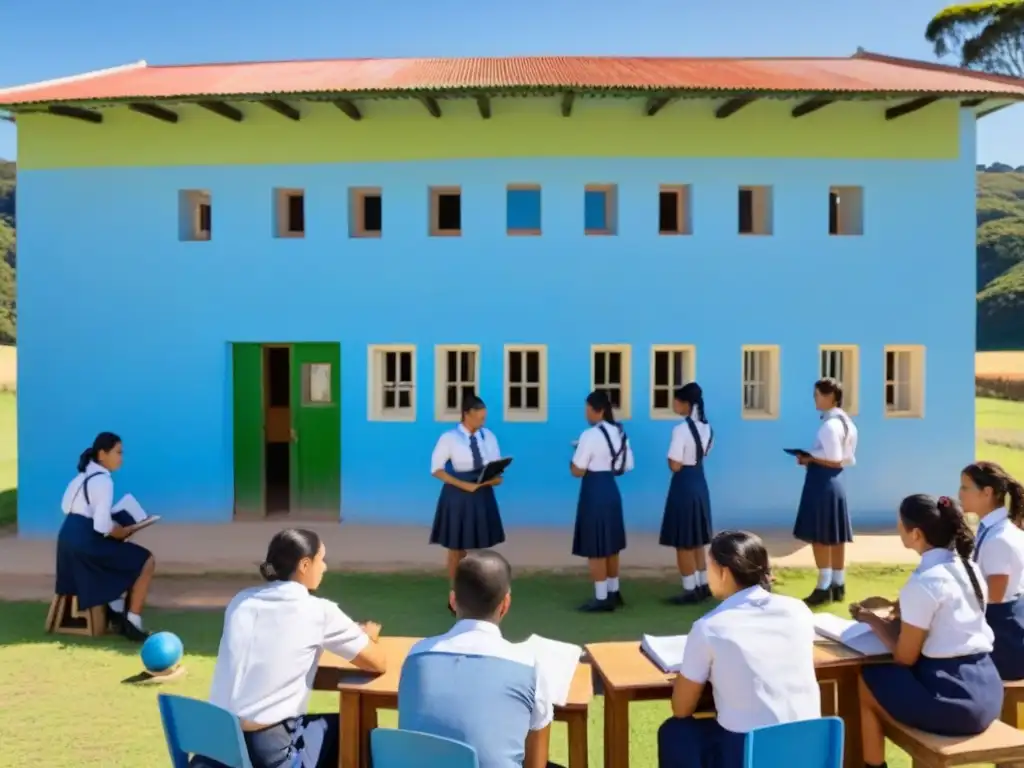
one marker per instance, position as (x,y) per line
(247,385)
(316,420)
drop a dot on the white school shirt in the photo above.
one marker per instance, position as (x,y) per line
(682,448)
(592,449)
(1000,552)
(273,638)
(938,597)
(453,446)
(101,497)
(757,650)
(832,442)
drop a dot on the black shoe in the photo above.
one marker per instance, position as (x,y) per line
(704,591)
(838,593)
(597,606)
(687,597)
(133,633)
(115,620)
(819,597)
(615,598)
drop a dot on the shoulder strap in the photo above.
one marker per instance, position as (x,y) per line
(84,488)
(696,440)
(611,449)
(844,422)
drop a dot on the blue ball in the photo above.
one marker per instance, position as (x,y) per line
(161,652)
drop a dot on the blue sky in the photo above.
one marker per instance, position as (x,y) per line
(51,38)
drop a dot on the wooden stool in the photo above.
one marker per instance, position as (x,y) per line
(1013,697)
(65,618)
(1000,744)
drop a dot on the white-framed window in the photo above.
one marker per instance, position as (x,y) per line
(456,376)
(392,382)
(526,382)
(760,381)
(904,380)
(842,363)
(610,368)
(672,366)
(290,212)
(195,215)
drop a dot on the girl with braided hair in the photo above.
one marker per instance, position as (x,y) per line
(686,524)
(988,491)
(943,679)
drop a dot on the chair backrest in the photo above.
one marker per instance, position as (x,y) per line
(194,727)
(808,743)
(393,748)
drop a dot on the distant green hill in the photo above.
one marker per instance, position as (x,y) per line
(1000,208)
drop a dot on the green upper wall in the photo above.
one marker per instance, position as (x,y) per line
(402,130)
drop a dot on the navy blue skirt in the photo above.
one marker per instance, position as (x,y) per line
(687,520)
(1007,622)
(600,529)
(823,517)
(686,742)
(311,741)
(95,568)
(466,520)
(961,696)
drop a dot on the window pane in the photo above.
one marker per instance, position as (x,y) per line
(600,374)
(746,211)
(404,398)
(389,398)
(833,213)
(661,398)
(373,213)
(661,369)
(515,397)
(595,210)
(468,391)
(452,398)
(468,372)
(614,367)
(515,367)
(205,218)
(890,366)
(523,207)
(533,367)
(678,373)
(533,397)
(318,382)
(296,213)
(453,370)
(615,396)
(406,368)
(390,367)
(449,212)
(668,212)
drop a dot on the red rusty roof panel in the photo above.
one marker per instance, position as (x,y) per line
(860,74)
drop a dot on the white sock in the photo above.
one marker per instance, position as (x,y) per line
(601,590)
(135,619)
(702,578)
(117,605)
(824,578)
(839,577)
(613,583)
(689,583)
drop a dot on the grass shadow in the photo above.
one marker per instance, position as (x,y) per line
(8,510)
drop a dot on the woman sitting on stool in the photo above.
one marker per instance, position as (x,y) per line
(95,561)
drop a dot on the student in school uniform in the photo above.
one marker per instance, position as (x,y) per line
(823,520)
(757,651)
(269,651)
(943,680)
(686,525)
(472,685)
(602,453)
(467,515)
(95,561)
(985,489)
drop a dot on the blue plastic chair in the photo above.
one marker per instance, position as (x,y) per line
(393,748)
(808,743)
(194,727)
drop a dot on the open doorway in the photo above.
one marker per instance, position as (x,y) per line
(278,419)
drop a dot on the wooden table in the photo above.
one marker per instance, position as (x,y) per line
(628,675)
(362,695)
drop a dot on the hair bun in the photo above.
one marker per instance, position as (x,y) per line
(267,571)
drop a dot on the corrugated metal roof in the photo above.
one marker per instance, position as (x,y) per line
(860,74)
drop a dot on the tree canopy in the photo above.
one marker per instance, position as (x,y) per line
(987,35)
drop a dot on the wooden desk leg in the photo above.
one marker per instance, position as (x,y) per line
(576,723)
(848,708)
(351,730)
(367,722)
(828,697)
(616,727)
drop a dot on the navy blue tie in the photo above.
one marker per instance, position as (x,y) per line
(478,458)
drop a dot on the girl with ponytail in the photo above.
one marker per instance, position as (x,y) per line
(686,524)
(990,492)
(603,453)
(943,679)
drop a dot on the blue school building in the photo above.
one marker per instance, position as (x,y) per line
(276,280)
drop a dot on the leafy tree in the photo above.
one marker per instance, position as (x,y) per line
(986,35)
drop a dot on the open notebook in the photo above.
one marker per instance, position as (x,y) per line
(855,635)
(130,514)
(556,665)
(666,652)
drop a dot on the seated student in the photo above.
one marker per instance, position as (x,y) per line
(943,680)
(269,652)
(757,651)
(471,684)
(985,489)
(95,561)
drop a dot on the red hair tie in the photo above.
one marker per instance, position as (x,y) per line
(945,501)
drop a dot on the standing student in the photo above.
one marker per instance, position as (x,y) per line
(467,515)
(757,651)
(943,680)
(985,489)
(602,453)
(269,652)
(686,525)
(95,561)
(823,520)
